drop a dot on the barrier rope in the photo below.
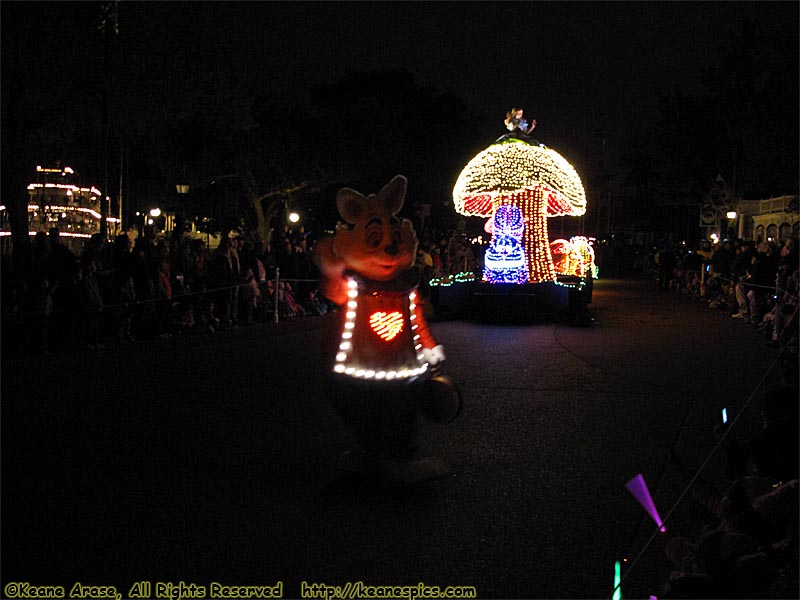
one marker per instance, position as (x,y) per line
(174,298)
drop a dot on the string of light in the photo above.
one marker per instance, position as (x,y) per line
(385,325)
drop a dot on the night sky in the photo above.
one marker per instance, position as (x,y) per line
(575,66)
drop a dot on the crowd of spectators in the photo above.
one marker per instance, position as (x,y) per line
(748,548)
(154,286)
(757,283)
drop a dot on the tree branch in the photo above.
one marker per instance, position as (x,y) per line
(287,191)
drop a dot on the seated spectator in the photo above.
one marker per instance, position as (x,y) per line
(287,298)
(314,305)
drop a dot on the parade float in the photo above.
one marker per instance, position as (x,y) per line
(516,186)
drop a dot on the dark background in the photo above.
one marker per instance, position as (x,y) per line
(649,100)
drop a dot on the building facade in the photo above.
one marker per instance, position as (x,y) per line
(771,219)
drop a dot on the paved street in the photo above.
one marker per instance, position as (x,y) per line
(212,457)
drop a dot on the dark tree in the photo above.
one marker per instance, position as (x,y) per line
(744,127)
(372,126)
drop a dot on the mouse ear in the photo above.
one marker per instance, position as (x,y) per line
(393,194)
(350,204)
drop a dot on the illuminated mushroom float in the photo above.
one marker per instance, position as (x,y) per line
(535,183)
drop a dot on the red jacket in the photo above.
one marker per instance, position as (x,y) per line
(383,331)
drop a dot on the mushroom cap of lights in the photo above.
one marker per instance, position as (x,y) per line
(512,166)
(537,179)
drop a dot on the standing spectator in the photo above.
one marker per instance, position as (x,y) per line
(37,297)
(164,294)
(787,262)
(226,281)
(436,257)
(718,282)
(721,260)
(91,302)
(61,273)
(424,263)
(144,286)
(780,324)
(197,272)
(764,270)
(251,296)
(666,267)
(123,293)
(739,266)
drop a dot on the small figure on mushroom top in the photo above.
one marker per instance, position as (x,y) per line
(516,123)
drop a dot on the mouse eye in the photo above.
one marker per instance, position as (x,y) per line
(396,238)
(373,237)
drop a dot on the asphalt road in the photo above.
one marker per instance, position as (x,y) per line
(212,458)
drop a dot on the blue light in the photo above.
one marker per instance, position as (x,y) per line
(504,261)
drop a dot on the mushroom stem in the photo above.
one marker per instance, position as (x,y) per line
(533,204)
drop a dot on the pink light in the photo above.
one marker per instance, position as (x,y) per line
(638,488)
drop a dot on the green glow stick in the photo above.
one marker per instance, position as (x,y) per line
(617,580)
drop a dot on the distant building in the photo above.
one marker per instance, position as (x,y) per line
(55,199)
(770,219)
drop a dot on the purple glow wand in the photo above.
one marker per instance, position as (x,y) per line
(638,488)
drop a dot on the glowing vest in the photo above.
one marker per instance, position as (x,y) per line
(380,338)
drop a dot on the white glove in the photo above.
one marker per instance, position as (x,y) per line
(434,355)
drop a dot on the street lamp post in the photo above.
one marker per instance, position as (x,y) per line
(731,224)
(153,215)
(183,192)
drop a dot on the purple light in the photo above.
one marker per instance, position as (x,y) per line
(638,488)
(504,261)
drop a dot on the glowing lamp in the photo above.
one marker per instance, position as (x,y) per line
(731,214)
(536,180)
(155,212)
(294,217)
